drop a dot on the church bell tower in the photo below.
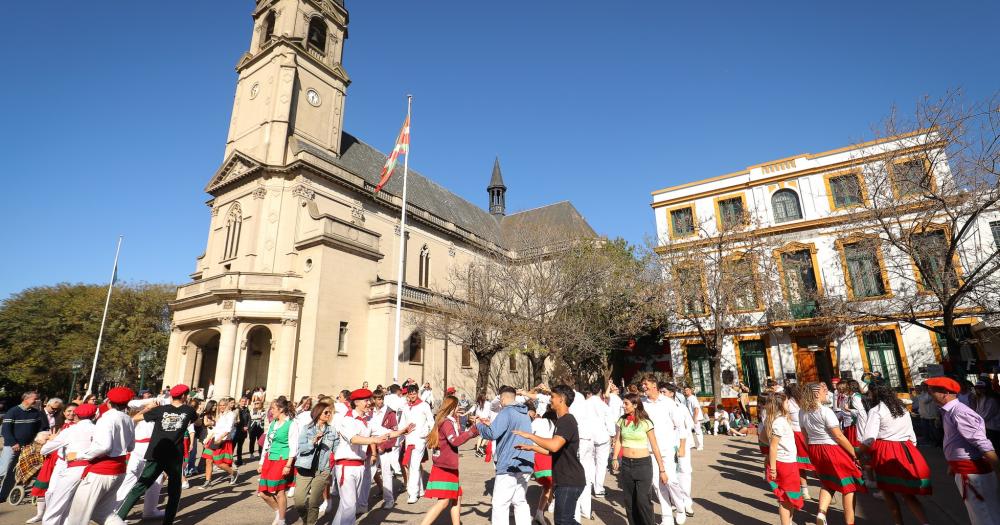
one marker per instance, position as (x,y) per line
(497,191)
(292,84)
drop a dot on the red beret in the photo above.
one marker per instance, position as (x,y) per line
(450,390)
(85,411)
(120,395)
(361,393)
(179,390)
(944,383)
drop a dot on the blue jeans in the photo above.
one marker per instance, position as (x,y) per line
(565,499)
(8,460)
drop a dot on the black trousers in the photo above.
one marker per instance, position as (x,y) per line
(241,439)
(255,432)
(635,481)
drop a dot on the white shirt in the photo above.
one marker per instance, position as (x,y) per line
(422,418)
(427,396)
(293,439)
(303,419)
(615,411)
(73,440)
(597,419)
(694,407)
(661,413)
(114,436)
(684,423)
(882,426)
(793,414)
(348,427)
(143,432)
(782,428)
(395,402)
(857,410)
(223,425)
(722,415)
(816,425)
(375,423)
(542,427)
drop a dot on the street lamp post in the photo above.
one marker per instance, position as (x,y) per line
(77,366)
(145,357)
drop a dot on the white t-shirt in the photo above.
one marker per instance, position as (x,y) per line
(816,425)
(782,428)
(793,414)
(542,427)
(661,413)
(881,425)
(542,402)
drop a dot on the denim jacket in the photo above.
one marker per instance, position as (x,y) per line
(310,452)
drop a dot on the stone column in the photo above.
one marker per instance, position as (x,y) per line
(173,369)
(282,376)
(227,354)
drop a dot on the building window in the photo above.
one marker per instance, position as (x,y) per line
(995,229)
(845,191)
(864,273)
(930,260)
(801,285)
(690,288)
(513,362)
(753,357)
(731,213)
(234,224)
(342,339)
(466,357)
(785,204)
(416,347)
(424,272)
(701,370)
(268,27)
(741,281)
(911,177)
(682,222)
(883,357)
(317,34)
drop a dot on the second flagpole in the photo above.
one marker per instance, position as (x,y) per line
(397,343)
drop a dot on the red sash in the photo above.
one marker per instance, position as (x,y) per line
(964,467)
(78,463)
(106,466)
(142,440)
(347,463)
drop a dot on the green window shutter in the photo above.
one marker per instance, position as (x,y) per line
(754,361)
(863,270)
(846,191)
(883,357)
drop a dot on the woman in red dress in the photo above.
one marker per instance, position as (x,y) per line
(41,484)
(444,442)
(832,454)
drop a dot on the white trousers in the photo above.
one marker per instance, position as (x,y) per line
(670,495)
(587,459)
(509,490)
(385,462)
(414,480)
(366,486)
(59,497)
(602,451)
(349,486)
(699,435)
(684,471)
(987,510)
(94,499)
(137,462)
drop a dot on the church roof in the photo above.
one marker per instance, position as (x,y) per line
(558,222)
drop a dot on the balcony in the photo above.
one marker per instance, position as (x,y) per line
(803,310)
(239,283)
(385,291)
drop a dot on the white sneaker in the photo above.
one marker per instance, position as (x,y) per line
(680,517)
(291,492)
(34,519)
(185,485)
(411,500)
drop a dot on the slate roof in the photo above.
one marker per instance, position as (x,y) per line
(556,222)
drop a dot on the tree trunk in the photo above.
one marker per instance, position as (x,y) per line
(716,381)
(484,361)
(537,367)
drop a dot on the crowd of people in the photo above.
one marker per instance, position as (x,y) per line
(327,454)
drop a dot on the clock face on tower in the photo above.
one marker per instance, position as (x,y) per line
(313,97)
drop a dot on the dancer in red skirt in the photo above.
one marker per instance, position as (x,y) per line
(218,447)
(444,441)
(542,425)
(281,445)
(794,392)
(782,471)
(899,467)
(41,484)
(832,454)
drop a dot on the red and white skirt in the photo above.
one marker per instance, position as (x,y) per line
(786,487)
(835,469)
(900,467)
(271,478)
(543,469)
(851,433)
(802,452)
(220,456)
(41,483)
(443,484)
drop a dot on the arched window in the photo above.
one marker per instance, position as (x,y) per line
(424,273)
(234,223)
(785,204)
(317,34)
(268,27)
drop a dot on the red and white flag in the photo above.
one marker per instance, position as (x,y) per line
(402,148)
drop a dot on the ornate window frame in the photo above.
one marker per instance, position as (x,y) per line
(841,246)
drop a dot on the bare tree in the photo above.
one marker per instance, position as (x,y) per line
(931,203)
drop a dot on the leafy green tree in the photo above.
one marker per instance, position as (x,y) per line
(43,330)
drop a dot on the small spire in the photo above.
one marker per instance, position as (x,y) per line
(496,181)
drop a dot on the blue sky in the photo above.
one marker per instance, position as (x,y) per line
(115,113)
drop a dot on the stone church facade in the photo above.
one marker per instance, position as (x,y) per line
(296,288)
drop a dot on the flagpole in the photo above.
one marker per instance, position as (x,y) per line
(107,302)
(397,343)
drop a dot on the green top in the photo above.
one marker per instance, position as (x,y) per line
(278,438)
(634,434)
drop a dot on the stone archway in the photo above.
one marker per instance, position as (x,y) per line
(206,349)
(258,357)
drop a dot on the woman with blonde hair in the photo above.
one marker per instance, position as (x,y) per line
(444,442)
(833,455)
(219,443)
(782,470)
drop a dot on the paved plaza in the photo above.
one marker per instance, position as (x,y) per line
(728,488)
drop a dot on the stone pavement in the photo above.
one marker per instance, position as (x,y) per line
(728,488)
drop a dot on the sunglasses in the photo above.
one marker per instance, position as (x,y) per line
(327,412)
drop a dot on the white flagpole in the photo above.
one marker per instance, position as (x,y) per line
(397,343)
(107,301)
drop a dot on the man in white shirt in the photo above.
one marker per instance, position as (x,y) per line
(427,395)
(585,416)
(685,422)
(417,413)
(602,438)
(114,438)
(694,407)
(66,476)
(661,412)
(721,419)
